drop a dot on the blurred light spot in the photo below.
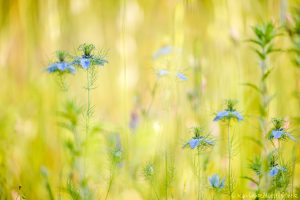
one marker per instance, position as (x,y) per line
(78,5)
(157,127)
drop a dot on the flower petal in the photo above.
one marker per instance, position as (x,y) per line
(207,141)
(221,115)
(165,50)
(274,171)
(291,137)
(194,143)
(52,68)
(238,116)
(162,72)
(62,66)
(71,69)
(277,134)
(85,63)
(182,77)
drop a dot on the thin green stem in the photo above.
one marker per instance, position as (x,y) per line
(50,193)
(87,122)
(153,188)
(294,154)
(110,181)
(199,173)
(166,165)
(229,159)
(281,160)
(153,92)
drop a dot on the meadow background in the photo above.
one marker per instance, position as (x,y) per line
(209,45)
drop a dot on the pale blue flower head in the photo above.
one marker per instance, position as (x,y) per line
(194,142)
(199,140)
(216,182)
(61,66)
(89,59)
(165,50)
(276,169)
(279,132)
(181,77)
(162,72)
(229,113)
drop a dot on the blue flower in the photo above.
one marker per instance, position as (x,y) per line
(194,143)
(162,72)
(279,133)
(274,170)
(215,181)
(182,77)
(221,115)
(198,141)
(85,63)
(61,67)
(228,114)
(165,50)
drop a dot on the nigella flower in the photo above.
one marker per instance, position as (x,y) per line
(279,134)
(229,112)
(61,65)
(165,50)
(279,131)
(182,77)
(162,72)
(274,170)
(198,140)
(216,182)
(88,59)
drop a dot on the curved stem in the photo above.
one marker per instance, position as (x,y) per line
(229,160)
(166,163)
(152,186)
(87,121)
(294,154)
(199,173)
(153,92)
(110,182)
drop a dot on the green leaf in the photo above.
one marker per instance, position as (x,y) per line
(260,54)
(250,179)
(258,42)
(253,86)
(266,75)
(255,140)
